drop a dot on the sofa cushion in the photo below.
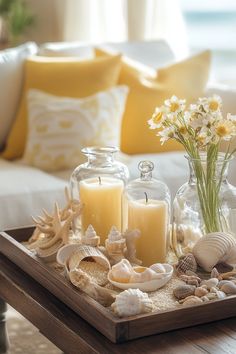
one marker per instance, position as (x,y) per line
(63,77)
(185,79)
(59,127)
(24,191)
(11,82)
(66,49)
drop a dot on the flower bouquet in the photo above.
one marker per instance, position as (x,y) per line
(200,129)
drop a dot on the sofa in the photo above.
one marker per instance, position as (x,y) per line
(24,189)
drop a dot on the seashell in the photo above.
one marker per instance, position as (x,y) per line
(82,281)
(200,292)
(211,296)
(228,275)
(229,288)
(182,291)
(142,274)
(146,279)
(191,279)
(220,294)
(122,271)
(213,290)
(158,268)
(214,273)
(222,282)
(205,298)
(210,283)
(214,248)
(186,263)
(115,245)
(132,302)
(70,256)
(194,300)
(131,237)
(90,238)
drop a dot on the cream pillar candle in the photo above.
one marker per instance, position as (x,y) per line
(102,200)
(151,218)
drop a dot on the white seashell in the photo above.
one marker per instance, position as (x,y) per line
(71,255)
(220,294)
(132,302)
(90,238)
(122,271)
(151,285)
(210,283)
(158,268)
(114,235)
(142,274)
(229,288)
(214,248)
(115,245)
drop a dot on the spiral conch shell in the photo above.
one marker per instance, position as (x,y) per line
(115,245)
(132,302)
(215,248)
(90,238)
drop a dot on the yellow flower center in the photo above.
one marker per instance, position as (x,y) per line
(182,130)
(213,105)
(222,130)
(174,107)
(158,117)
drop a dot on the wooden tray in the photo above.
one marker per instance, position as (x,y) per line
(117,330)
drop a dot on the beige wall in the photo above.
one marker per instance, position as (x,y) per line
(49,24)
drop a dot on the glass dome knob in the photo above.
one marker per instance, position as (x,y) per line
(146,168)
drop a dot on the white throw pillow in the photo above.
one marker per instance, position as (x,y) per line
(11,81)
(67,49)
(59,127)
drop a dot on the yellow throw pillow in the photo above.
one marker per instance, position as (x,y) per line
(59,127)
(185,79)
(63,77)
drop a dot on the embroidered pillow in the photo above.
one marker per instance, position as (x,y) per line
(58,127)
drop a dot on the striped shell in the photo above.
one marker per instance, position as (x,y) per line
(214,248)
(186,263)
(132,302)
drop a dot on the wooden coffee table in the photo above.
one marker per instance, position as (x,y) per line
(73,335)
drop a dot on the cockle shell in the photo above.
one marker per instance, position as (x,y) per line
(214,248)
(186,263)
(132,302)
(90,238)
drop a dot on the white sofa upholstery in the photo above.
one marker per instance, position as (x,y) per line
(24,191)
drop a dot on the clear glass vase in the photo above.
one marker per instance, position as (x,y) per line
(99,185)
(206,203)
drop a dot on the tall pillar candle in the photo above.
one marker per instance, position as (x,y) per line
(151,218)
(102,204)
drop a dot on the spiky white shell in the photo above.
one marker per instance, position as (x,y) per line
(214,248)
(132,302)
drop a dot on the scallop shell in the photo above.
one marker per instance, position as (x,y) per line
(90,238)
(187,263)
(132,302)
(214,248)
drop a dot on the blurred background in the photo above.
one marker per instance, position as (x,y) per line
(187,25)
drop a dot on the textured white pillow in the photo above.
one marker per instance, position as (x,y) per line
(59,127)
(11,80)
(67,49)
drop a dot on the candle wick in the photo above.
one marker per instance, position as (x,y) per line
(146,197)
(99,180)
